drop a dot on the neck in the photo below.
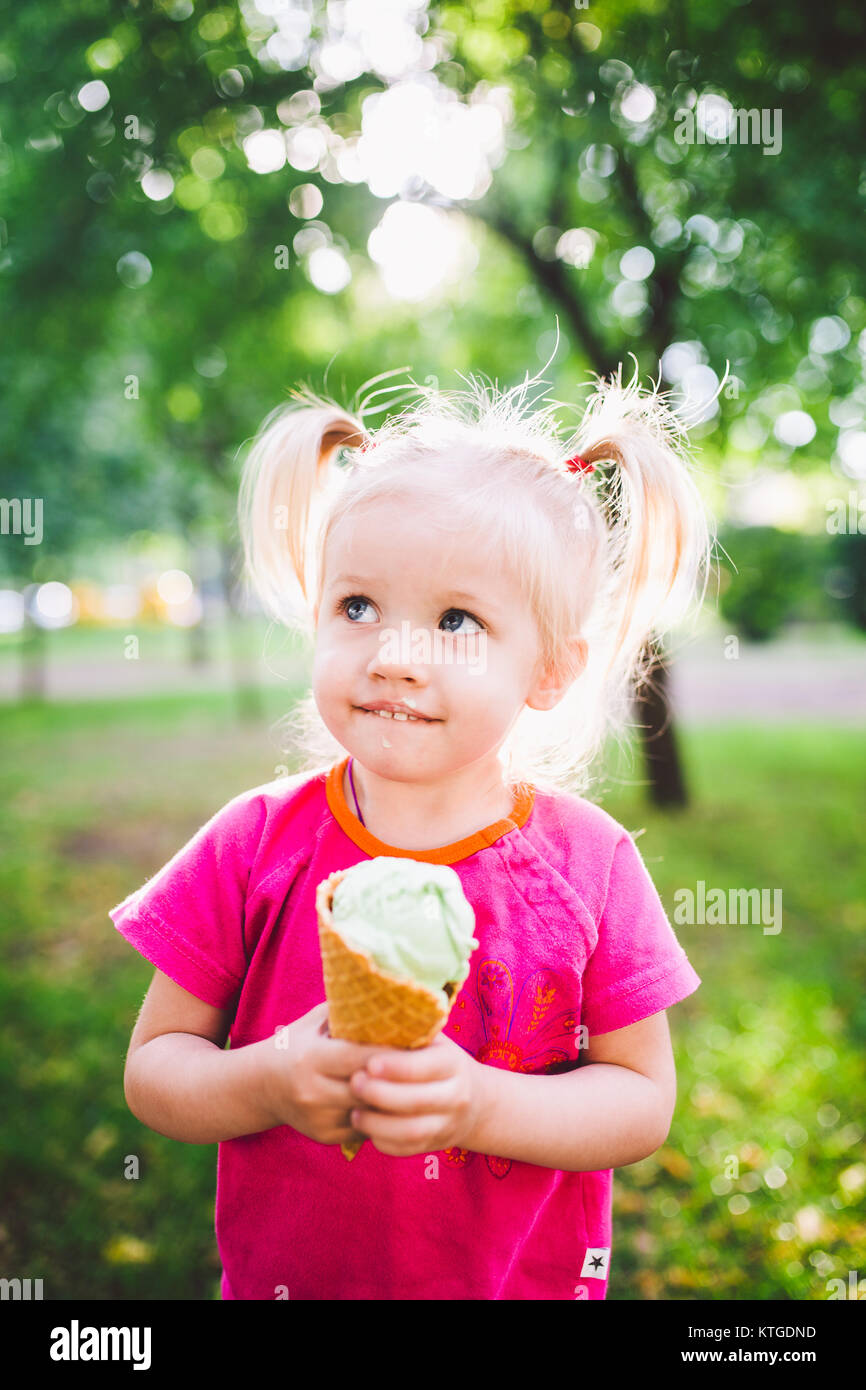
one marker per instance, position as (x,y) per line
(425,815)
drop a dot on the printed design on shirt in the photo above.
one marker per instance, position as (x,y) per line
(534,1032)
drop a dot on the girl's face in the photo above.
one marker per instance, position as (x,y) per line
(414,613)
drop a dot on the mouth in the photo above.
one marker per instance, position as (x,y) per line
(396,716)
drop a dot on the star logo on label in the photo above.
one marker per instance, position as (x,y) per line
(595,1263)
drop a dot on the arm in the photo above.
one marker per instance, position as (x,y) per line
(615,1109)
(179,1080)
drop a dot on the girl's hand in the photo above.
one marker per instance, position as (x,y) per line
(304,1077)
(419,1099)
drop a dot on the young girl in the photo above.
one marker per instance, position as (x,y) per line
(481,598)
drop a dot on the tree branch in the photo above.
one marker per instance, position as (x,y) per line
(552,275)
(666,279)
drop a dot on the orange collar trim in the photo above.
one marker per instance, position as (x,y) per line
(445,854)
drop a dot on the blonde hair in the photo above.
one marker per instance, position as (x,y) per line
(614,556)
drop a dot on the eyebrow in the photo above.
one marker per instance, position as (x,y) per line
(449,593)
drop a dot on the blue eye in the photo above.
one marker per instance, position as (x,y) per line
(350,602)
(354,602)
(461,612)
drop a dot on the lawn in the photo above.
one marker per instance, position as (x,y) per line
(758,1192)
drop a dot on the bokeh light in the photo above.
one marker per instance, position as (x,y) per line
(174,586)
(54,605)
(419,249)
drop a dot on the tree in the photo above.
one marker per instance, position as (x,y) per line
(172,257)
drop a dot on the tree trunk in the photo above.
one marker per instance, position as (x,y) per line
(32,660)
(658,737)
(248,695)
(197,633)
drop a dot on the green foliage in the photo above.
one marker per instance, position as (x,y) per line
(771,577)
(774,573)
(848,575)
(215,333)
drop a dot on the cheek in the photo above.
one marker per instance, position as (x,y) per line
(328,669)
(482,693)
(338,666)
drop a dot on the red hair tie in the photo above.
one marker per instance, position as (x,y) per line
(579,464)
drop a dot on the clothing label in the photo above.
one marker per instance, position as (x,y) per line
(595,1263)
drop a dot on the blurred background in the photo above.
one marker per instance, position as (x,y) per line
(204,205)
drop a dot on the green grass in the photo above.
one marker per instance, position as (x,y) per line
(770,1049)
(758,1192)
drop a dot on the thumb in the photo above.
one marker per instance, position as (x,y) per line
(320,1015)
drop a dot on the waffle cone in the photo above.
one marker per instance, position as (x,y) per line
(367,1006)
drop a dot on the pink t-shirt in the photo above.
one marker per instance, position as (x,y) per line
(571,931)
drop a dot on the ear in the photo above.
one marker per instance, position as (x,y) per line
(552,683)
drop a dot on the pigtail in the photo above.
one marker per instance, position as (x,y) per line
(284,474)
(660,535)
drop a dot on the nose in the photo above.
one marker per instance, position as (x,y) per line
(402,655)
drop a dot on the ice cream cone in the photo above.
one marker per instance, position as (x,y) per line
(367,1006)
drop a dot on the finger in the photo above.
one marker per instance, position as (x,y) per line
(341,1058)
(414,1131)
(333,1091)
(402,1098)
(319,1015)
(343,1130)
(320,1087)
(339,1132)
(429,1063)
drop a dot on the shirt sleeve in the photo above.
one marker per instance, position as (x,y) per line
(638,967)
(188,919)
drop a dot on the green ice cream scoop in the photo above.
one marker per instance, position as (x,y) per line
(411,918)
